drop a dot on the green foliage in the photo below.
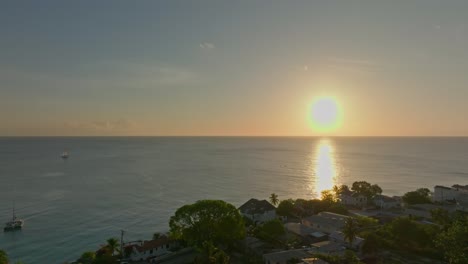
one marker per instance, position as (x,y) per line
(420,196)
(286,208)
(270,230)
(454,242)
(327,196)
(113,245)
(105,255)
(405,234)
(211,255)
(441,217)
(371,245)
(337,208)
(3,257)
(274,199)
(366,189)
(350,230)
(156,235)
(87,257)
(212,221)
(364,221)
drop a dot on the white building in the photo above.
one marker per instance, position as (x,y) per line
(458,193)
(386,202)
(325,222)
(350,198)
(147,250)
(258,211)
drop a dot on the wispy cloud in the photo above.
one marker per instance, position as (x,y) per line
(100,126)
(207,45)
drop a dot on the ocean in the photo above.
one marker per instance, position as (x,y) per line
(135,184)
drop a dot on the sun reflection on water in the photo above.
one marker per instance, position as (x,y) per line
(325,167)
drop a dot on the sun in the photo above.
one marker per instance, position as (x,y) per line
(325,114)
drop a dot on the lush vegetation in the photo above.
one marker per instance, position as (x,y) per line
(270,231)
(302,208)
(208,225)
(3,257)
(357,188)
(420,196)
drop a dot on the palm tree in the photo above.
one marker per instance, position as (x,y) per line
(274,199)
(350,229)
(113,245)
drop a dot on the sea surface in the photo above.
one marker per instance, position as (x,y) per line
(136,184)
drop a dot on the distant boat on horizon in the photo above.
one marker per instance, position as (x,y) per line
(14,224)
(65,155)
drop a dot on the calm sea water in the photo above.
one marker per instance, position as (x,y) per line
(136,184)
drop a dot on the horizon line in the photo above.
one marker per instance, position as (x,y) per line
(230,136)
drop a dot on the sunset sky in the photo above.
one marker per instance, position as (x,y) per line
(251,68)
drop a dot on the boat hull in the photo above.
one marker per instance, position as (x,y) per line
(10,229)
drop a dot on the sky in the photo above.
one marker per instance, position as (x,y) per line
(232,68)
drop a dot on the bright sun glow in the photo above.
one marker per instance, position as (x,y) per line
(325,114)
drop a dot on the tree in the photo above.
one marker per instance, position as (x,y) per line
(454,242)
(350,230)
(156,235)
(211,255)
(420,196)
(441,217)
(366,189)
(87,258)
(3,257)
(274,199)
(371,245)
(286,208)
(327,196)
(271,230)
(212,221)
(113,245)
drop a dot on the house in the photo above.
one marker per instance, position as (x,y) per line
(338,237)
(305,233)
(328,248)
(386,202)
(282,257)
(146,250)
(258,211)
(325,222)
(424,210)
(457,193)
(349,198)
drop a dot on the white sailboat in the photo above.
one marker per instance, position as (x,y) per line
(64,155)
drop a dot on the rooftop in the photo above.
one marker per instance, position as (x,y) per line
(284,256)
(303,230)
(254,206)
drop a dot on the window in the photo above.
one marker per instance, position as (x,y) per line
(151,251)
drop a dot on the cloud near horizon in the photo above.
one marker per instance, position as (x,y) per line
(207,45)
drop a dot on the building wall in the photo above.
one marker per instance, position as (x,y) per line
(267,216)
(161,250)
(355,201)
(442,194)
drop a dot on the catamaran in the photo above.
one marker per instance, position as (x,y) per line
(14,224)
